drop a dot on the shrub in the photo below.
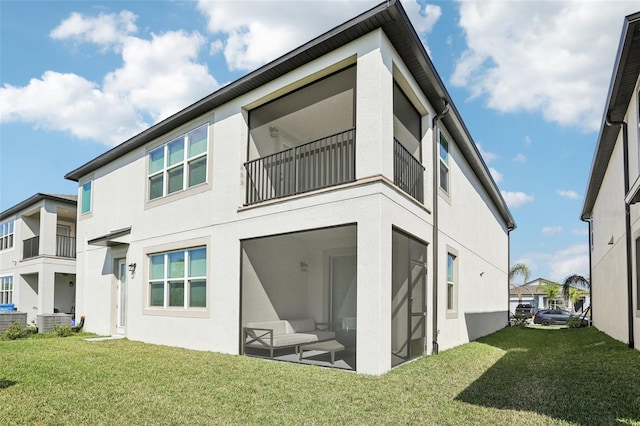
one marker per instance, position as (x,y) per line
(519,320)
(16,330)
(62,330)
(574,322)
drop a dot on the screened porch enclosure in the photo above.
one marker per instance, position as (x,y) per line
(409,298)
(303,286)
(304,140)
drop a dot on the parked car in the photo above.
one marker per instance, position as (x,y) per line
(524,309)
(554,316)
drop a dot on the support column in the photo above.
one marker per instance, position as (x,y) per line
(48,226)
(46,289)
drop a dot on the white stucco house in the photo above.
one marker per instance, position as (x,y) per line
(530,293)
(336,187)
(611,202)
(38,255)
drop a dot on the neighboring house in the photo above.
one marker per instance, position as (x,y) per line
(38,255)
(610,205)
(337,183)
(531,294)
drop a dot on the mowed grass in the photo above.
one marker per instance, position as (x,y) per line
(513,377)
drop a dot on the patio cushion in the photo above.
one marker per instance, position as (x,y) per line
(300,325)
(278,327)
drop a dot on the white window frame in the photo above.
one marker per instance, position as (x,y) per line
(453,285)
(184,163)
(165,280)
(444,164)
(6,289)
(7,234)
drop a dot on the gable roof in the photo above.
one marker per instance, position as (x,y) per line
(65,198)
(623,81)
(393,20)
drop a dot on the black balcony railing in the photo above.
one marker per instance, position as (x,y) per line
(65,246)
(318,164)
(408,173)
(31,247)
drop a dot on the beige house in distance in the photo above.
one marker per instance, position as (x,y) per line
(325,196)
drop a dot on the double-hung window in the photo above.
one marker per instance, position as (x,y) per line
(444,163)
(85,197)
(179,164)
(452,291)
(178,279)
(6,289)
(6,235)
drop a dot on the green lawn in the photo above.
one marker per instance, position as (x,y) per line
(514,377)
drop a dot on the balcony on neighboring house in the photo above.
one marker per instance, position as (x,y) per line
(65,247)
(322,163)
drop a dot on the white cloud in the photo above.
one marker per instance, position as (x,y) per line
(520,158)
(568,194)
(558,265)
(580,231)
(549,57)
(497,176)
(488,157)
(516,199)
(551,230)
(158,77)
(255,33)
(107,30)
(527,141)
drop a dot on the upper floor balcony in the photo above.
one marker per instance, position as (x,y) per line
(65,247)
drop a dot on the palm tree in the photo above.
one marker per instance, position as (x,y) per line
(519,269)
(552,290)
(574,281)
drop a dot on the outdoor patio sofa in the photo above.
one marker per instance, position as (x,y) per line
(284,334)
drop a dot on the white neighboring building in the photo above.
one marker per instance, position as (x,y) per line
(531,294)
(610,205)
(337,183)
(38,255)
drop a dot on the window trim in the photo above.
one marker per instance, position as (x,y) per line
(452,312)
(89,212)
(173,311)
(186,160)
(8,292)
(10,235)
(441,162)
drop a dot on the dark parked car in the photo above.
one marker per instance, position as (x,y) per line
(525,310)
(554,316)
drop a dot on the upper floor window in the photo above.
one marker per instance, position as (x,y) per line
(6,235)
(178,279)
(85,202)
(444,163)
(6,289)
(179,164)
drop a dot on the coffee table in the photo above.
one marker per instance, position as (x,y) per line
(331,346)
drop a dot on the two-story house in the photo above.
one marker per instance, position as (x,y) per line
(610,205)
(337,183)
(38,255)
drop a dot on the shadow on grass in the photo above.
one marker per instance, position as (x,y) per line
(576,375)
(4,383)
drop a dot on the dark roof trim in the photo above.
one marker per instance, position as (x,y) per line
(63,198)
(625,75)
(108,240)
(393,20)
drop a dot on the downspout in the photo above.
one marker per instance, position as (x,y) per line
(590,224)
(627,224)
(508,283)
(434,193)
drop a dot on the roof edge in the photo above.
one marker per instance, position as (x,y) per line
(36,198)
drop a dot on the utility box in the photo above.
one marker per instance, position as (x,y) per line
(9,317)
(45,322)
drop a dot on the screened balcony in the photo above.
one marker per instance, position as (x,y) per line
(31,247)
(303,141)
(408,173)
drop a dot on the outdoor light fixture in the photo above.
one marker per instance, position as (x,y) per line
(304,267)
(70,283)
(273,131)
(132,268)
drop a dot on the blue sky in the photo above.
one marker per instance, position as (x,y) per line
(529,78)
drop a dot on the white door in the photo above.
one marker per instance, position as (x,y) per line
(121,294)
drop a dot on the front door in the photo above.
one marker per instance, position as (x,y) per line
(121,297)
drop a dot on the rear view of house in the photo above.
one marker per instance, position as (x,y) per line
(333,195)
(38,255)
(611,203)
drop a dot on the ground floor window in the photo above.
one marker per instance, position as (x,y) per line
(178,279)
(6,289)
